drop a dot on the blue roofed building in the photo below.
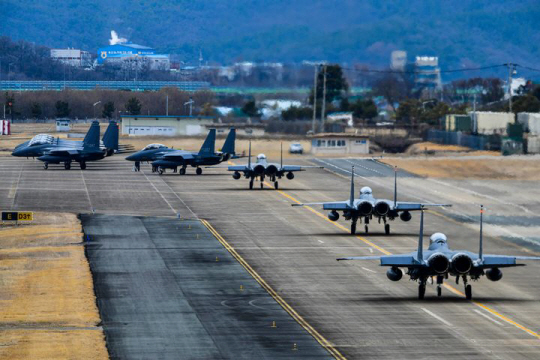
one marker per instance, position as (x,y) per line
(129,52)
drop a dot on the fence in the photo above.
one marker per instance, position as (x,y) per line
(458,138)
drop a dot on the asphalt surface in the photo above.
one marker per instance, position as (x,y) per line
(353,305)
(162,294)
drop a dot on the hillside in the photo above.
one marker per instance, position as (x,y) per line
(464,33)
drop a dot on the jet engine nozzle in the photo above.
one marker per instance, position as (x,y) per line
(494,274)
(438,263)
(259,169)
(461,263)
(405,216)
(382,208)
(365,208)
(236,175)
(290,175)
(394,273)
(333,215)
(271,170)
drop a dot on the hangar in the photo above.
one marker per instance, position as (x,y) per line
(163,125)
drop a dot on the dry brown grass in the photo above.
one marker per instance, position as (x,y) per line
(47,307)
(485,167)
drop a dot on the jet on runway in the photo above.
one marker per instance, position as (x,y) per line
(441,262)
(167,158)
(52,150)
(366,207)
(261,168)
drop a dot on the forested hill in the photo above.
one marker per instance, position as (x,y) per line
(461,33)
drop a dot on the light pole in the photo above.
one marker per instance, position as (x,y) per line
(95,108)
(511,71)
(190,103)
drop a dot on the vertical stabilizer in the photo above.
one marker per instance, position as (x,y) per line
(209,145)
(281,161)
(91,140)
(395,187)
(481,250)
(249,155)
(420,254)
(351,200)
(110,138)
(228,145)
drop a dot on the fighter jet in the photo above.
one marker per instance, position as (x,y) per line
(366,207)
(52,150)
(166,158)
(441,262)
(262,168)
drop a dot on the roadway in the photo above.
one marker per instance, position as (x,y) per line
(352,304)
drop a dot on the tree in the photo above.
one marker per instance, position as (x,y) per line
(133,106)
(108,110)
(297,113)
(364,109)
(408,111)
(10,103)
(527,103)
(250,109)
(393,87)
(207,109)
(62,109)
(336,84)
(35,110)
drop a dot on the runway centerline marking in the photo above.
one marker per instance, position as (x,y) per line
(436,317)
(159,192)
(386,252)
(320,339)
(368,270)
(87,193)
(13,191)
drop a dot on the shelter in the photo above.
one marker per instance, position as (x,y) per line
(339,143)
(163,125)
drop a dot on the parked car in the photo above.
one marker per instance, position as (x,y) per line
(296,148)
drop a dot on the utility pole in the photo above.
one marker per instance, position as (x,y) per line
(316,69)
(323,109)
(474,114)
(511,71)
(167,106)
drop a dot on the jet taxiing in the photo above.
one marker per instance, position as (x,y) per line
(52,150)
(163,157)
(366,207)
(262,168)
(440,261)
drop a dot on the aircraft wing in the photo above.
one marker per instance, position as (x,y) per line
(409,206)
(178,155)
(291,168)
(66,151)
(337,205)
(406,260)
(243,168)
(491,261)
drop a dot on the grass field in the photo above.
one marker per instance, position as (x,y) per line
(47,307)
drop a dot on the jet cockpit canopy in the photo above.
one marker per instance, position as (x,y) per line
(154,146)
(41,139)
(437,238)
(261,157)
(366,190)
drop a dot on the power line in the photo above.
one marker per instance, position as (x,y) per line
(528,68)
(415,72)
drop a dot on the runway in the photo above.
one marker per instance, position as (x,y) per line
(352,305)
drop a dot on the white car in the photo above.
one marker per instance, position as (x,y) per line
(296,148)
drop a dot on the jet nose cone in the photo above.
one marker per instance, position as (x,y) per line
(132,157)
(17,153)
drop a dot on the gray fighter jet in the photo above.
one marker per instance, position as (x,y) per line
(163,157)
(52,150)
(366,207)
(262,168)
(441,262)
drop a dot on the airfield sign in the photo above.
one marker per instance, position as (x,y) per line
(17,216)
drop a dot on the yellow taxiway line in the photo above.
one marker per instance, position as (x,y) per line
(386,252)
(321,339)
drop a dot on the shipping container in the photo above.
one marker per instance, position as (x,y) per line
(530,122)
(533,144)
(458,123)
(488,123)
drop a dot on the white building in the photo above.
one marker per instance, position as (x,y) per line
(72,57)
(339,143)
(161,125)
(398,60)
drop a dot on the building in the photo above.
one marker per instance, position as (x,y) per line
(339,143)
(5,127)
(63,125)
(72,57)
(162,125)
(489,123)
(244,129)
(398,60)
(427,73)
(133,53)
(345,117)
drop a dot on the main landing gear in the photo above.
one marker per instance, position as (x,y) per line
(182,171)
(45,165)
(67,165)
(422,289)
(198,171)
(440,279)
(251,184)
(353,225)
(276,185)
(82,164)
(366,222)
(161,171)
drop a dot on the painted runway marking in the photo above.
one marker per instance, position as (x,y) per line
(320,339)
(322,242)
(159,192)
(368,270)
(87,193)
(487,317)
(437,317)
(371,250)
(13,192)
